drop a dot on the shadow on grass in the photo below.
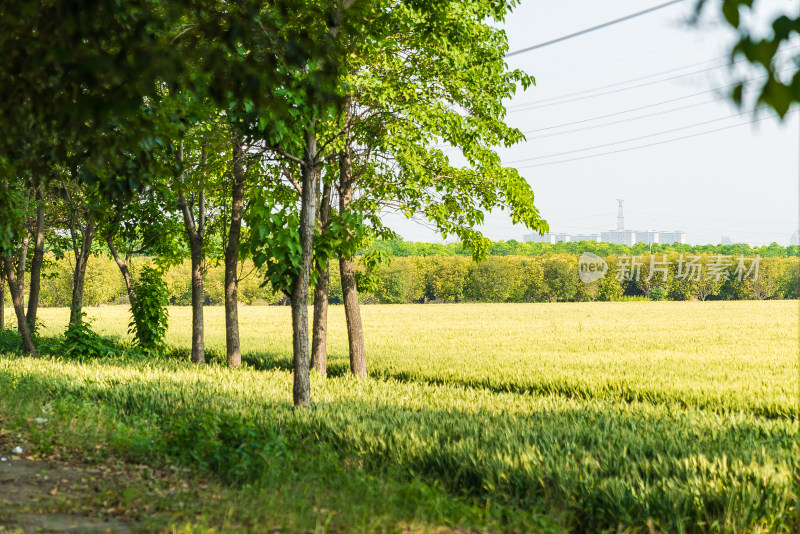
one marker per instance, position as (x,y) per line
(338,366)
(597,466)
(271,361)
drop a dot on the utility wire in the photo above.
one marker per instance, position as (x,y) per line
(647,145)
(557,101)
(594,28)
(539,106)
(648,106)
(623,121)
(605,145)
(632,80)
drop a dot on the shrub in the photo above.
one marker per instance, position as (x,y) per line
(82,343)
(658,293)
(149,311)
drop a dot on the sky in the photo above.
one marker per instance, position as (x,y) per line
(740,181)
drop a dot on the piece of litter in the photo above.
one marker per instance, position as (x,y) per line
(3,459)
(40,420)
(17,450)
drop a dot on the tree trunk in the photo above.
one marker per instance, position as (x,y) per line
(23,258)
(2,298)
(122,263)
(19,308)
(301,392)
(79,275)
(319,349)
(232,258)
(196,235)
(198,298)
(352,312)
(319,328)
(36,262)
(355,330)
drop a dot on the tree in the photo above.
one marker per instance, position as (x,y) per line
(780,89)
(411,88)
(195,225)
(29,214)
(80,216)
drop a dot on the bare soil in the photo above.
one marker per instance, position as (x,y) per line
(49,496)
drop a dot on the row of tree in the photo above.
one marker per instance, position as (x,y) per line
(549,278)
(400,248)
(281,131)
(220,131)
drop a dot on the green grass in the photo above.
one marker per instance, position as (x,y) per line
(646,416)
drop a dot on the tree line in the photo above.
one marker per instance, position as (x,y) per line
(279,132)
(441,279)
(512,247)
(217,133)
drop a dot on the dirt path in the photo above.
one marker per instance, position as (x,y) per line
(48,496)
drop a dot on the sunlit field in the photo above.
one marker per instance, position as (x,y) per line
(645,416)
(736,355)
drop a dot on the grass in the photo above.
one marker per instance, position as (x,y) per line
(645,416)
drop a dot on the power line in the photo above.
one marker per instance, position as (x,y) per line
(594,28)
(632,80)
(656,134)
(630,119)
(648,106)
(665,141)
(556,101)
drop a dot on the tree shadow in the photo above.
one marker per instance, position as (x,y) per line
(598,465)
(337,365)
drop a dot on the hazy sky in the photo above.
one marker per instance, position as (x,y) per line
(741,181)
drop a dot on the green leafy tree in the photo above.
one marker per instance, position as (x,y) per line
(781,86)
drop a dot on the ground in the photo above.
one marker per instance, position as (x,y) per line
(633,417)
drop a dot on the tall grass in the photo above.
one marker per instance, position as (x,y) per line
(648,416)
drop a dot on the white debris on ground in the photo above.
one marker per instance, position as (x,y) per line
(17,450)
(40,420)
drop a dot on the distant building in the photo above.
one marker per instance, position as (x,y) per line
(536,238)
(547,238)
(561,237)
(619,237)
(726,240)
(795,240)
(668,238)
(650,237)
(586,237)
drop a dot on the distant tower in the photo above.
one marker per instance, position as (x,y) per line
(620,218)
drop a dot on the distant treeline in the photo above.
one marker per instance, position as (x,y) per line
(436,278)
(511,247)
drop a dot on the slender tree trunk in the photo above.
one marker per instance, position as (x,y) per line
(79,275)
(352,311)
(196,234)
(36,262)
(319,329)
(19,308)
(232,258)
(23,259)
(301,392)
(198,298)
(122,263)
(319,349)
(2,298)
